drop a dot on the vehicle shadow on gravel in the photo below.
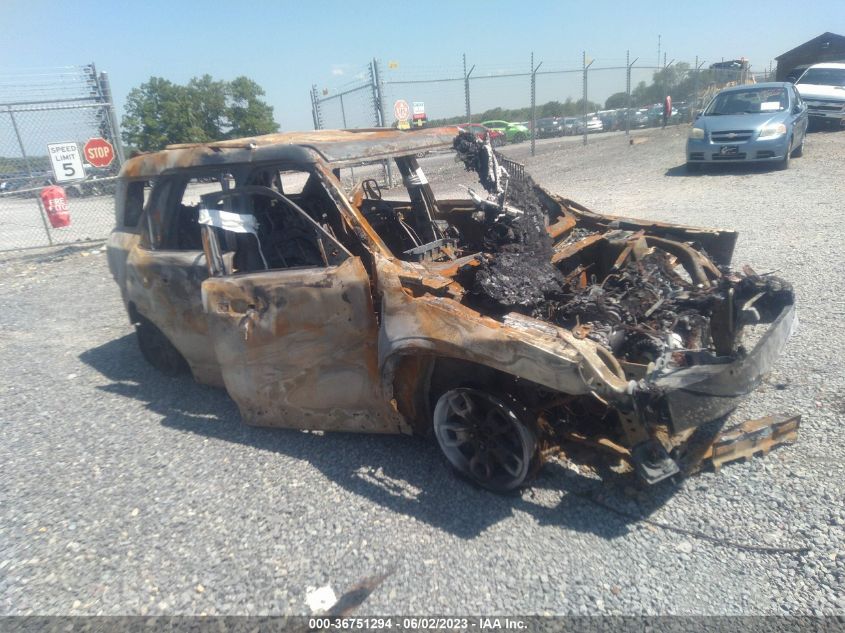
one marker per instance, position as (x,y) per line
(681,171)
(405,474)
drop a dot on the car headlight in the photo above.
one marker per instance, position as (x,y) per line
(773,131)
(696,133)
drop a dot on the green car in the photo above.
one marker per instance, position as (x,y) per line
(514,132)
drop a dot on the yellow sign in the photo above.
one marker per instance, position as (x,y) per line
(403,125)
(393,65)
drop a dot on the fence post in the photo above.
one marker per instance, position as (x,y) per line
(374,85)
(105,90)
(378,91)
(466,88)
(694,108)
(534,101)
(20,142)
(628,93)
(630,65)
(342,111)
(585,66)
(315,108)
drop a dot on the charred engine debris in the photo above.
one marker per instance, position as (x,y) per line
(657,304)
(520,276)
(648,300)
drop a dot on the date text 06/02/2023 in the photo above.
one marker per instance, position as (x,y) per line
(416,623)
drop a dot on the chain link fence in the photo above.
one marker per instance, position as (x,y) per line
(622,93)
(62,109)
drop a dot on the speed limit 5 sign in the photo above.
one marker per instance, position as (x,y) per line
(66,160)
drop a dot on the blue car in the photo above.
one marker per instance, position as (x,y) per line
(752,123)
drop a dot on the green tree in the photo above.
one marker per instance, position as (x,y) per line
(248,114)
(152,116)
(207,100)
(160,112)
(616,100)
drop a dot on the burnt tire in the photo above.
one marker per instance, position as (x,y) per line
(489,440)
(158,351)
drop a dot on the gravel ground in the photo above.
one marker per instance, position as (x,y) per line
(124,492)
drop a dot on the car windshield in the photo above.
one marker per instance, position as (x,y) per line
(824,77)
(752,101)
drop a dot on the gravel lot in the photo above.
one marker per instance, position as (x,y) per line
(124,492)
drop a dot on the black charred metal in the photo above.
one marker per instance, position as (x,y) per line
(665,304)
(520,276)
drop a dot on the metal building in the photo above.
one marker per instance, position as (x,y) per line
(827,47)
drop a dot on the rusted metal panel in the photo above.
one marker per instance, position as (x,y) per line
(528,348)
(297,348)
(164,287)
(337,147)
(718,243)
(754,437)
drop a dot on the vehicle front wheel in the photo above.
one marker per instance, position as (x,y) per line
(158,351)
(519,137)
(799,151)
(486,439)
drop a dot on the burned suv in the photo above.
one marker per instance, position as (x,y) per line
(501,323)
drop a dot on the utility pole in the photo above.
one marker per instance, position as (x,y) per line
(466,88)
(534,101)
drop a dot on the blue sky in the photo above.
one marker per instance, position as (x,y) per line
(287,46)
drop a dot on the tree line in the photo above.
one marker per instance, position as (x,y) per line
(550,108)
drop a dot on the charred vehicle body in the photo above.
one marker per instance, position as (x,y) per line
(498,323)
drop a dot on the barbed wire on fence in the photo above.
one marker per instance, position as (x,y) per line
(465,92)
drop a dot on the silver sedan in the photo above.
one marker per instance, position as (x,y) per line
(752,123)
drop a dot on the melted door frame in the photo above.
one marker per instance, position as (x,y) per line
(298,347)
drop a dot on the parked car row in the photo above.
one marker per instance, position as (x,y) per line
(611,120)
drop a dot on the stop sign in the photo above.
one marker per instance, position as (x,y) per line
(99,152)
(401,110)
